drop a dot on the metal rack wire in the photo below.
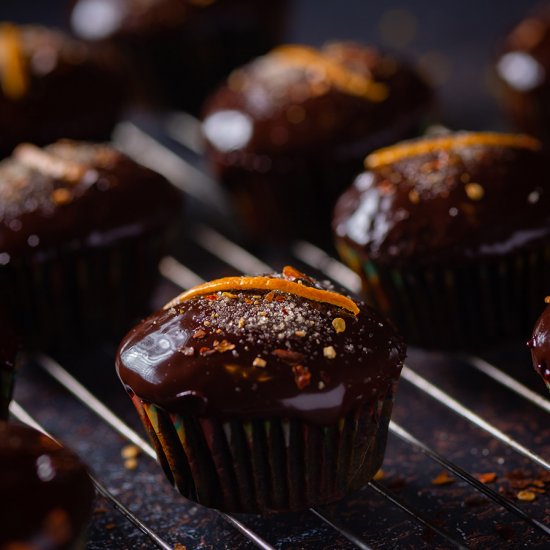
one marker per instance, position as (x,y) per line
(182,167)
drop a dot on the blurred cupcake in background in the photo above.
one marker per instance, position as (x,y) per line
(451,236)
(287,132)
(523,68)
(179,50)
(53,87)
(82,228)
(540,345)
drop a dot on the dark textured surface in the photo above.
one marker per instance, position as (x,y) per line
(464,35)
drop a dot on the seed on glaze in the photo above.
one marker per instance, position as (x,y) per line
(329,352)
(259,362)
(339,324)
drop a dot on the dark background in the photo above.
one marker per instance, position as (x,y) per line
(455,41)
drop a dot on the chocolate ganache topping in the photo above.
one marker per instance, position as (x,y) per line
(46,492)
(71,195)
(540,345)
(450,198)
(256,347)
(298,98)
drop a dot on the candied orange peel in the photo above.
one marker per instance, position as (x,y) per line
(407,149)
(13,76)
(348,81)
(266,283)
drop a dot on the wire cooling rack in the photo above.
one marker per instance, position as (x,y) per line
(468,453)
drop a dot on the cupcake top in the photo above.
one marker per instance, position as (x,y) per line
(47,490)
(48,85)
(450,198)
(73,194)
(540,345)
(297,98)
(257,347)
(525,58)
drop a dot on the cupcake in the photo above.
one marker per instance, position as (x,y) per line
(53,87)
(181,49)
(540,345)
(47,492)
(523,70)
(82,228)
(451,236)
(287,132)
(264,393)
(9,347)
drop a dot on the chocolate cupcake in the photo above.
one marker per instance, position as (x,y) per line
(9,348)
(53,87)
(47,493)
(287,132)
(451,236)
(540,345)
(523,69)
(265,393)
(82,228)
(181,49)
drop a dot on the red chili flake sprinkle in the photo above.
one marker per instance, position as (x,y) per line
(280,298)
(270,296)
(223,346)
(302,376)
(212,297)
(198,334)
(292,273)
(289,356)
(443,478)
(488,477)
(204,351)
(285,311)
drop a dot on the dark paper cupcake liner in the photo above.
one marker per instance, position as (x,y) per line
(75,297)
(266,465)
(469,306)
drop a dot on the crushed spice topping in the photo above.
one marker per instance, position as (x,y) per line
(259,362)
(329,352)
(339,324)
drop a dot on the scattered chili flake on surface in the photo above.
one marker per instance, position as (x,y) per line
(443,478)
(292,273)
(379,475)
(212,297)
(488,477)
(329,352)
(269,296)
(259,362)
(198,334)
(302,376)
(339,324)
(300,333)
(130,451)
(131,464)
(229,295)
(204,351)
(527,496)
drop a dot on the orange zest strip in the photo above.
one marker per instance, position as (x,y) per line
(346,80)
(266,283)
(13,76)
(394,153)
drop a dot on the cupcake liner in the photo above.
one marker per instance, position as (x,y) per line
(74,297)
(472,305)
(262,465)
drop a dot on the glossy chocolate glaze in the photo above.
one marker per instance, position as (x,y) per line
(287,101)
(46,492)
(523,67)
(53,87)
(260,354)
(72,195)
(448,204)
(540,346)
